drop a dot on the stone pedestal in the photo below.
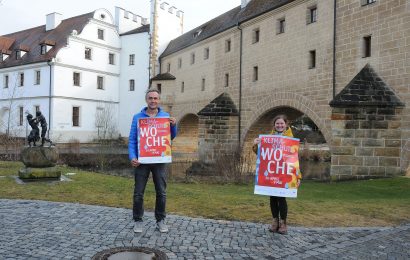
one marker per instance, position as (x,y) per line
(39,163)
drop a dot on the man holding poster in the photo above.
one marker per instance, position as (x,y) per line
(277,170)
(149,148)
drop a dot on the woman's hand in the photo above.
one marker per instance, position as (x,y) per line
(257,141)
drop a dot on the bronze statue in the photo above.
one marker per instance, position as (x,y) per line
(34,135)
(42,120)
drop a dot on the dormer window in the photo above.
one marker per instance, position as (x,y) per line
(43,49)
(18,54)
(46,45)
(4,55)
(197,33)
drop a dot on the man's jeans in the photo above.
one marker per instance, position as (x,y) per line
(141,174)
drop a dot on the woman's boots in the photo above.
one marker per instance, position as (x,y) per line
(275,225)
(283,229)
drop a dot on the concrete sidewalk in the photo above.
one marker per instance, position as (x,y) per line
(49,230)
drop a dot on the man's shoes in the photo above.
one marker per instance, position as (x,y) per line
(138,226)
(163,228)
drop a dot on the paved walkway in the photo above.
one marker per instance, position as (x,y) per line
(48,230)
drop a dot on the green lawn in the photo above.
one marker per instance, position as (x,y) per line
(361,203)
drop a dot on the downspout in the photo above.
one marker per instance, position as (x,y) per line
(334,49)
(240,84)
(50,64)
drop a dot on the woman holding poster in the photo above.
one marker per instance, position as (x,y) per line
(278,205)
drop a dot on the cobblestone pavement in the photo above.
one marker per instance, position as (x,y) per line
(49,230)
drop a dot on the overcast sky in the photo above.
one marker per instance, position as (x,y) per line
(17,15)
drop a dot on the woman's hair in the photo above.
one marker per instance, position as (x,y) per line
(284,117)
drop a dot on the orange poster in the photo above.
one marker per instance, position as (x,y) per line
(277,166)
(154,140)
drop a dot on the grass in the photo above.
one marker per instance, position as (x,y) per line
(381,202)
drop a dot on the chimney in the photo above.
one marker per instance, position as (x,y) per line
(244,3)
(53,20)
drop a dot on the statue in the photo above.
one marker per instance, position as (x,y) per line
(42,120)
(34,135)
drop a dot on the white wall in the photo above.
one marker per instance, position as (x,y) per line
(131,102)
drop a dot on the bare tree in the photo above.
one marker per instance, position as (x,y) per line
(106,121)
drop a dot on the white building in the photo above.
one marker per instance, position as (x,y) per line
(80,72)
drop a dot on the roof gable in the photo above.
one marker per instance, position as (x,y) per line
(220,106)
(366,89)
(31,39)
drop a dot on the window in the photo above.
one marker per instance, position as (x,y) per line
(206,53)
(37,77)
(87,53)
(281,26)
(100,82)
(100,33)
(255,73)
(182,87)
(111,58)
(132,85)
(132,59)
(168,67)
(159,87)
(312,59)
(21,115)
(36,108)
(367,46)
(226,80)
(311,15)
(193,58)
(21,79)
(203,85)
(179,63)
(197,33)
(43,49)
(255,35)
(18,54)
(6,81)
(76,79)
(367,2)
(228,45)
(76,116)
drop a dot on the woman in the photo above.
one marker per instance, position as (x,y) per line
(278,205)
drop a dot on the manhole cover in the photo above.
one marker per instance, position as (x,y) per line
(130,253)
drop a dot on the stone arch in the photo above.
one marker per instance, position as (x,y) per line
(291,100)
(180,111)
(185,145)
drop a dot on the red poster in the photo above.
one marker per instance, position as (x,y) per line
(154,140)
(277,166)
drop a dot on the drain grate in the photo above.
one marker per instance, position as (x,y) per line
(130,253)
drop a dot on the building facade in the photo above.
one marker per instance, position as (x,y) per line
(87,74)
(235,72)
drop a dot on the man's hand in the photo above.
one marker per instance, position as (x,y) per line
(173,121)
(135,163)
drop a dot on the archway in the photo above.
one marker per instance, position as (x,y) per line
(185,145)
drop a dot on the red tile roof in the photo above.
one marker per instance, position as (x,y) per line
(31,39)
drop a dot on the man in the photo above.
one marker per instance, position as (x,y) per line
(141,171)
(42,120)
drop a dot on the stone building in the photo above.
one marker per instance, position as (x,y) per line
(344,64)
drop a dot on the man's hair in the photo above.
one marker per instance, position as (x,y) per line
(152,90)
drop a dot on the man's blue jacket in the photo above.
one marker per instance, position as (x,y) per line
(133,138)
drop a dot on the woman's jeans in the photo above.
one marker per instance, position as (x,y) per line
(141,174)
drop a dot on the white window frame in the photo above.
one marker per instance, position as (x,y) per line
(37,77)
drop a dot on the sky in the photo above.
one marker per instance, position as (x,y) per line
(17,15)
